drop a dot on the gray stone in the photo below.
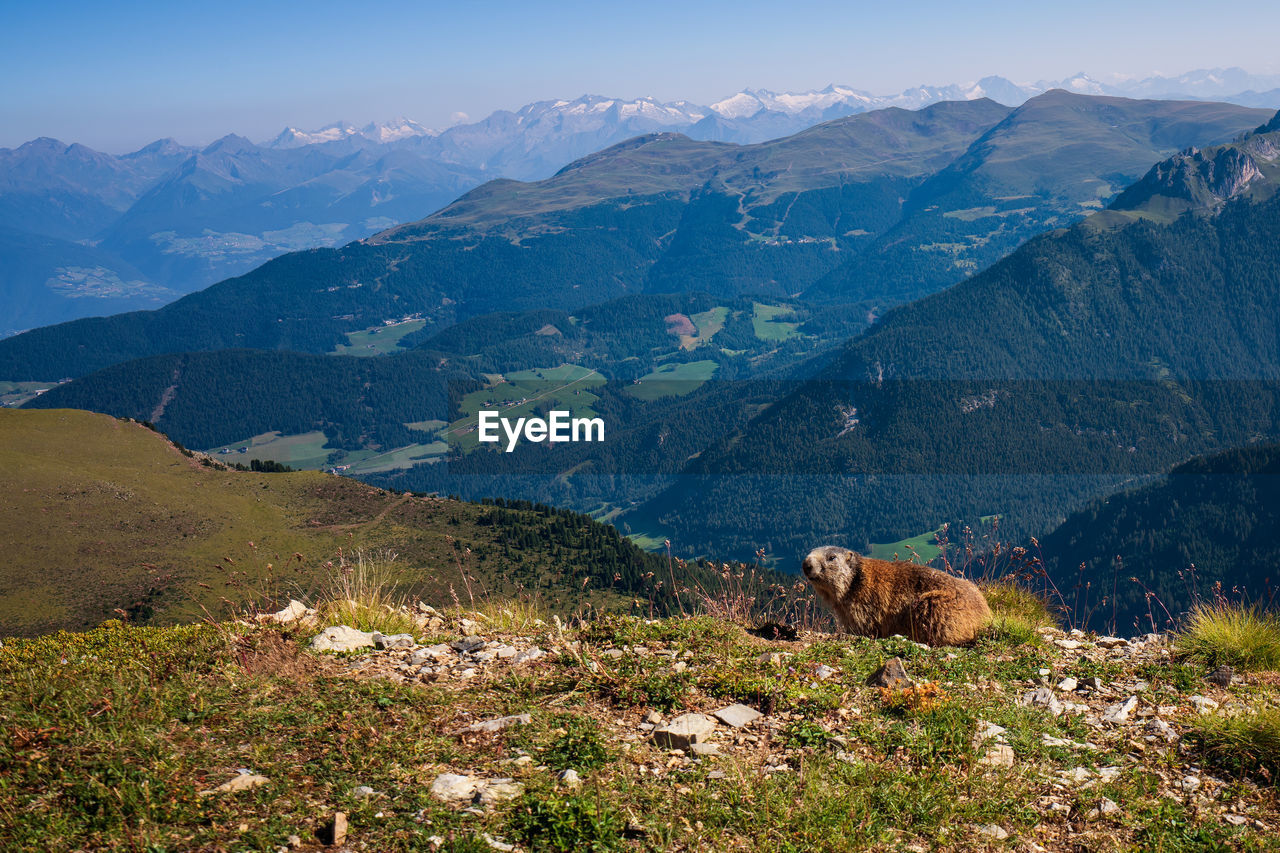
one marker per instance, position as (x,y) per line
(1221,676)
(467,644)
(1190,784)
(1118,714)
(1068,684)
(1161,729)
(570,779)
(684,731)
(362,792)
(993,830)
(440,651)
(736,715)
(1203,705)
(612,653)
(892,675)
(1090,683)
(499,790)
(823,672)
(704,750)
(497,844)
(506,652)
(1069,645)
(653,718)
(341,638)
(499,723)
(529,654)
(988,731)
(1042,697)
(1112,642)
(679,666)
(392,641)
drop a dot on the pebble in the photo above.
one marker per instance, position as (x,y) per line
(467,644)
(1069,645)
(239,782)
(1043,697)
(1203,705)
(527,655)
(823,672)
(338,833)
(499,723)
(993,830)
(1068,684)
(362,792)
(1190,784)
(1119,714)
(892,675)
(1112,642)
(570,779)
(394,641)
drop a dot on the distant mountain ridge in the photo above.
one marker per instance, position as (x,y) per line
(327,187)
(829,213)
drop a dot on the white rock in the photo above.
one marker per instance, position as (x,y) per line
(292,612)
(1118,714)
(241,782)
(993,830)
(570,779)
(527,655)
(1068,684)
(499,790)
(1043,697)
(1203,704)
(1069,645)
(341,638)
(999,755)
(823,672)
(450,787)
(1112,642)
(499,723)
(684,731)
(1190,784)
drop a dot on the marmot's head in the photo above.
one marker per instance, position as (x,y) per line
(831,569)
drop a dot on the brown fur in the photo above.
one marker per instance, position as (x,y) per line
(880,598)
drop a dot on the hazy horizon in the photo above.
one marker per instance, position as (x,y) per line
(117,78)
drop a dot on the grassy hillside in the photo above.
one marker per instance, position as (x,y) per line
(102,514)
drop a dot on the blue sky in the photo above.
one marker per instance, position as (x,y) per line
(118,75)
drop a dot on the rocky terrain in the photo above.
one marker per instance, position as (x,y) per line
(511,730)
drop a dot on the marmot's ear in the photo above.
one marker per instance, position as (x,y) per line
(852,557)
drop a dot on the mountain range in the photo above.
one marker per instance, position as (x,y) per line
(869,210)
(138,230)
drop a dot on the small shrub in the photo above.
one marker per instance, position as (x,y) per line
(919,697)
(1248,743)
(1232,634)
(566,823)
(805,734)
(1017,613)
(580,747)
(362,594)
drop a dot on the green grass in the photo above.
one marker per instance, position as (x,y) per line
(306,450)
(112,734)
(125,521)
(1243,637)
(673,380)
(921,548)
(564,388)
(14,394)
(708,323)
(768,327)
(1247,743)
(378,340)
(1017,612)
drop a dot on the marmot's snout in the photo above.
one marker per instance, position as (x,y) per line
(812,566)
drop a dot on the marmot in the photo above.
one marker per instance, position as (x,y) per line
(880,598)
